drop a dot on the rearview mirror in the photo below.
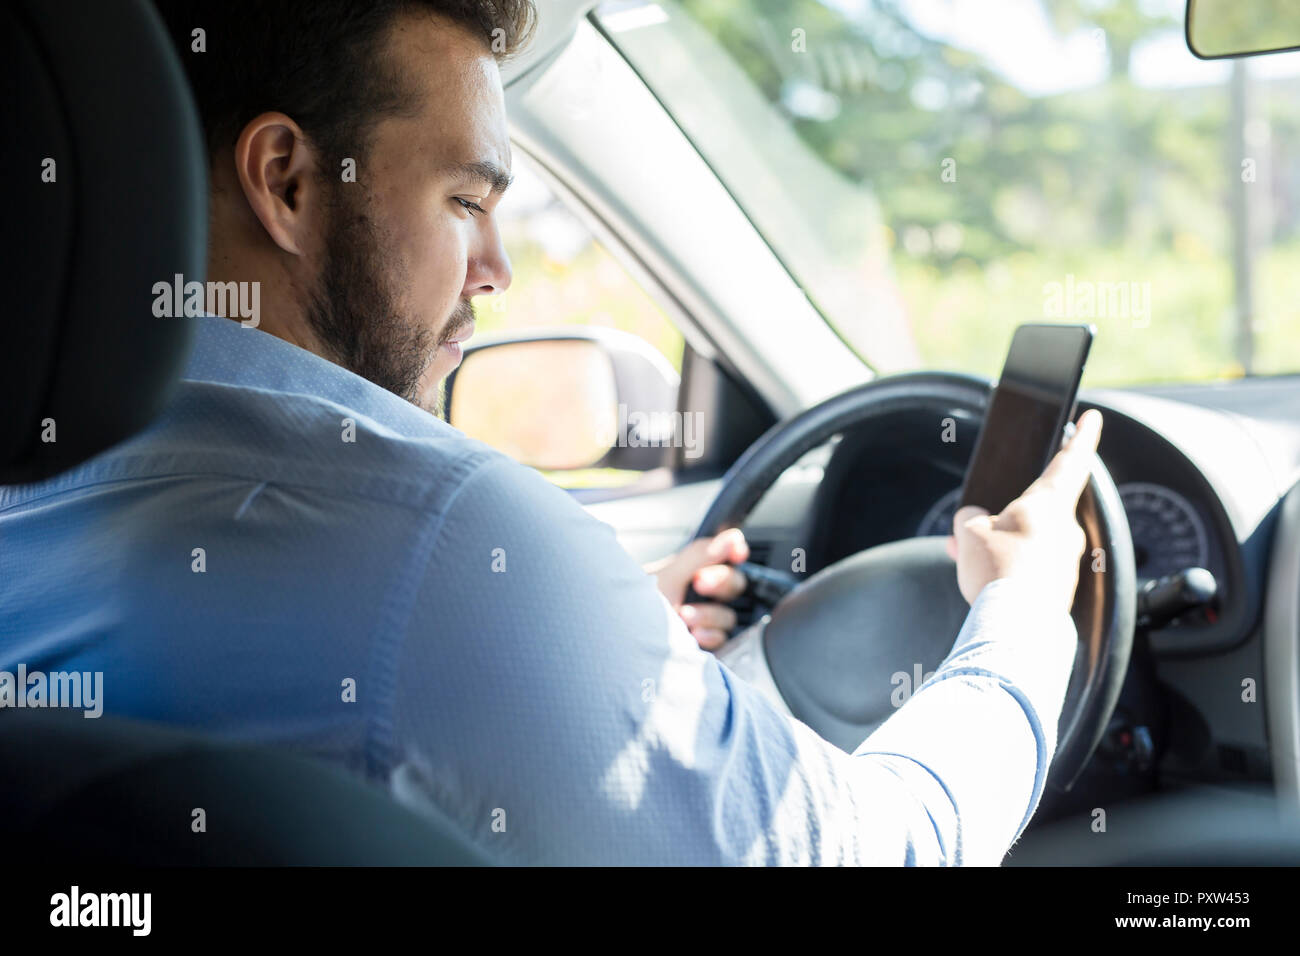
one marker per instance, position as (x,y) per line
(571,399)
(1229,28)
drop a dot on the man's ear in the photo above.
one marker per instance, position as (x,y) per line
(276,168)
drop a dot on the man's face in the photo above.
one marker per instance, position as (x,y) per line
(411,241)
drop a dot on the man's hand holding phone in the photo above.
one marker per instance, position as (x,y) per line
(1036,538)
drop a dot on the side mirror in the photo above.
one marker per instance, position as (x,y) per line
(563,400)
(1227,28)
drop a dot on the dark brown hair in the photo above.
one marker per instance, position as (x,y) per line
(318,61)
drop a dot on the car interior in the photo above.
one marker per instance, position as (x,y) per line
(842,463)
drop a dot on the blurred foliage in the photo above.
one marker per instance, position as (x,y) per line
(1114,182)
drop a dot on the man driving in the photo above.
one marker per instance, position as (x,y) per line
(300,553)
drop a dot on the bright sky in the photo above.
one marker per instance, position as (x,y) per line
(1019,42)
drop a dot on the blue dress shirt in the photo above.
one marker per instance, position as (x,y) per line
(295,557)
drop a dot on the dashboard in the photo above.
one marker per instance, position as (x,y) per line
(1198,487)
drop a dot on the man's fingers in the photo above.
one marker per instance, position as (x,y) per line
(728,546)
(709,638)
(696,554)
(720,581)
(717,616)
(725,547)
(1067,473)
(709,624)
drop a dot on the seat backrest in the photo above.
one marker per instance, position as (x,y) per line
(106,184)
(115,791)
(105,164)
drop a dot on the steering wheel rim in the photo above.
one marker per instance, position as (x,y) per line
(1104,609)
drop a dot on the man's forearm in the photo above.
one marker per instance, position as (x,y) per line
(976,740)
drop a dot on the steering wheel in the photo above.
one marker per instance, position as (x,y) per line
(832,643)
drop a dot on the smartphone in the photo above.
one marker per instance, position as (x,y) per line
(1027,416)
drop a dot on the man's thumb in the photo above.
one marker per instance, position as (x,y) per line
(968,519)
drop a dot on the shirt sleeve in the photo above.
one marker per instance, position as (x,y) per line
(984,725)
(547,700)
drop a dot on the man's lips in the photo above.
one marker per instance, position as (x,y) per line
(453,344)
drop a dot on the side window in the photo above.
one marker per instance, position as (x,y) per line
(563,277)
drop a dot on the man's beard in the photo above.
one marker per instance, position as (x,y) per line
(355,309)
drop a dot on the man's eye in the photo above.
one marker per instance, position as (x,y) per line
(473,207)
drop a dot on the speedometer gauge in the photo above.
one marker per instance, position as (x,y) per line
(1168,534)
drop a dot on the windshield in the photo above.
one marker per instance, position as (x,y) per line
(935,172)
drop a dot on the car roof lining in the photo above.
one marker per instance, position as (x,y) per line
(556,22)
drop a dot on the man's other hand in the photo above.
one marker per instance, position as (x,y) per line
(1037,538)
(705,563)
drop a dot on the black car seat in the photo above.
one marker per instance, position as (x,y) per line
(106,179)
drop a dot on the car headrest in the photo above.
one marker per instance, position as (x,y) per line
(105,178)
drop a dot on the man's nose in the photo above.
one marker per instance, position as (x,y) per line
(489,271)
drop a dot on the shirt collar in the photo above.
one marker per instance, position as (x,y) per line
(226,352)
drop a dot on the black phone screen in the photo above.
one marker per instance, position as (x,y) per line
(1031,405)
